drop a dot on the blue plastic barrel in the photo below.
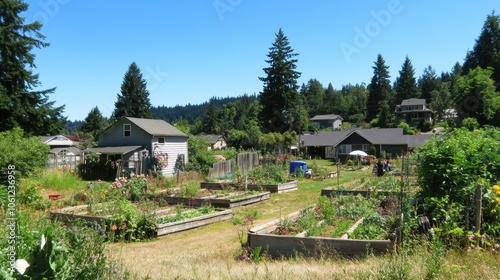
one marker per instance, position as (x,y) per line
(297,166)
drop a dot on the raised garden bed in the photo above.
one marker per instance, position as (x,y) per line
(162,216)
(226,200)
(289,186)
(345,226)
(330,191)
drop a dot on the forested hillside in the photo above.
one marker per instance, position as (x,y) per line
(191,112)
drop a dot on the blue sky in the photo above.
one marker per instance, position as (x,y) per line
(192,50)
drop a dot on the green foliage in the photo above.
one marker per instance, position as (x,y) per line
(135,188)
(406,128)
(189,189)
(54,251)
(268,174)
(27,154)
(470,123)
(405,86)
(22,103)
(94,123)
(199,158)
(133,100)
(279,96)
(450,169)
(128,223)
(475,96)
(379,88)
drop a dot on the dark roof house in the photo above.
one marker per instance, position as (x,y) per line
(338,144)
(413,111)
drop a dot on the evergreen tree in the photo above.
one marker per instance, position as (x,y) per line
(486,52)
(313,97)
(428,83)
(385,115)
(379,88)
(134,98)
(356,98)
(405,86)
(20,104)
(210,120)
(279,96)
(94,123)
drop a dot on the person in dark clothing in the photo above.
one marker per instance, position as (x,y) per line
(380,168)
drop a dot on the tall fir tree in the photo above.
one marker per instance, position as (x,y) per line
(94,123)
(210,120)
(428,83)
(379,88)
(405,86)
(486,51)
(21,104)
(134,98)
(279,95)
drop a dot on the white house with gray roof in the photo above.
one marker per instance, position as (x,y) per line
(328,121)
(137,143)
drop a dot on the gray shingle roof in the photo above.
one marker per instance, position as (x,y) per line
(157,127)
(384,136)
(413,101)
(210,138)
(326,117)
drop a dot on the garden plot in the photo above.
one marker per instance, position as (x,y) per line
(126,218)
(345,225)
(220,198)
(290,185)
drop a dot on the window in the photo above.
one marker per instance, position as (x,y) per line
(366,147)
(345,149)
(161,140)
(126,130)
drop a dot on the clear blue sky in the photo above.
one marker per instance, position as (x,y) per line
(192,50)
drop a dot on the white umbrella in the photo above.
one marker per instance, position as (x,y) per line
(358,153)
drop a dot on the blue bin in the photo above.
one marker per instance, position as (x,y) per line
(297,166)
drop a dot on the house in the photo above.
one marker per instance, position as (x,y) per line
(328,121)
(141,144)
(413,111)
(215,141)
(64,153)
(338,144)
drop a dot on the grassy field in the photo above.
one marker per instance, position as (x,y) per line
(214,251)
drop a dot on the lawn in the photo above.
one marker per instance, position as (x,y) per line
(216,252)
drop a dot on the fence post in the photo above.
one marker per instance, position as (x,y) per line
(479,202)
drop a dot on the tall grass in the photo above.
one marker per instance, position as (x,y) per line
(60,180)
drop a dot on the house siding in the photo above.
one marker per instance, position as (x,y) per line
(114,136)
(170,150)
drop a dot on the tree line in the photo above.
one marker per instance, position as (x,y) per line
(283,106)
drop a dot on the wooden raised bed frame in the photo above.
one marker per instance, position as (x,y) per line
(289,186)
(288,246)
(67,216)
(218,202)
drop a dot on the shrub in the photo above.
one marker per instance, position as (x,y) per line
(27,154)
(452,168)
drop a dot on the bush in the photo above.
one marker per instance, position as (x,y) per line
(453,167)
(28,154)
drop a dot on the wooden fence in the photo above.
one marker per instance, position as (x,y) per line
(245,162)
